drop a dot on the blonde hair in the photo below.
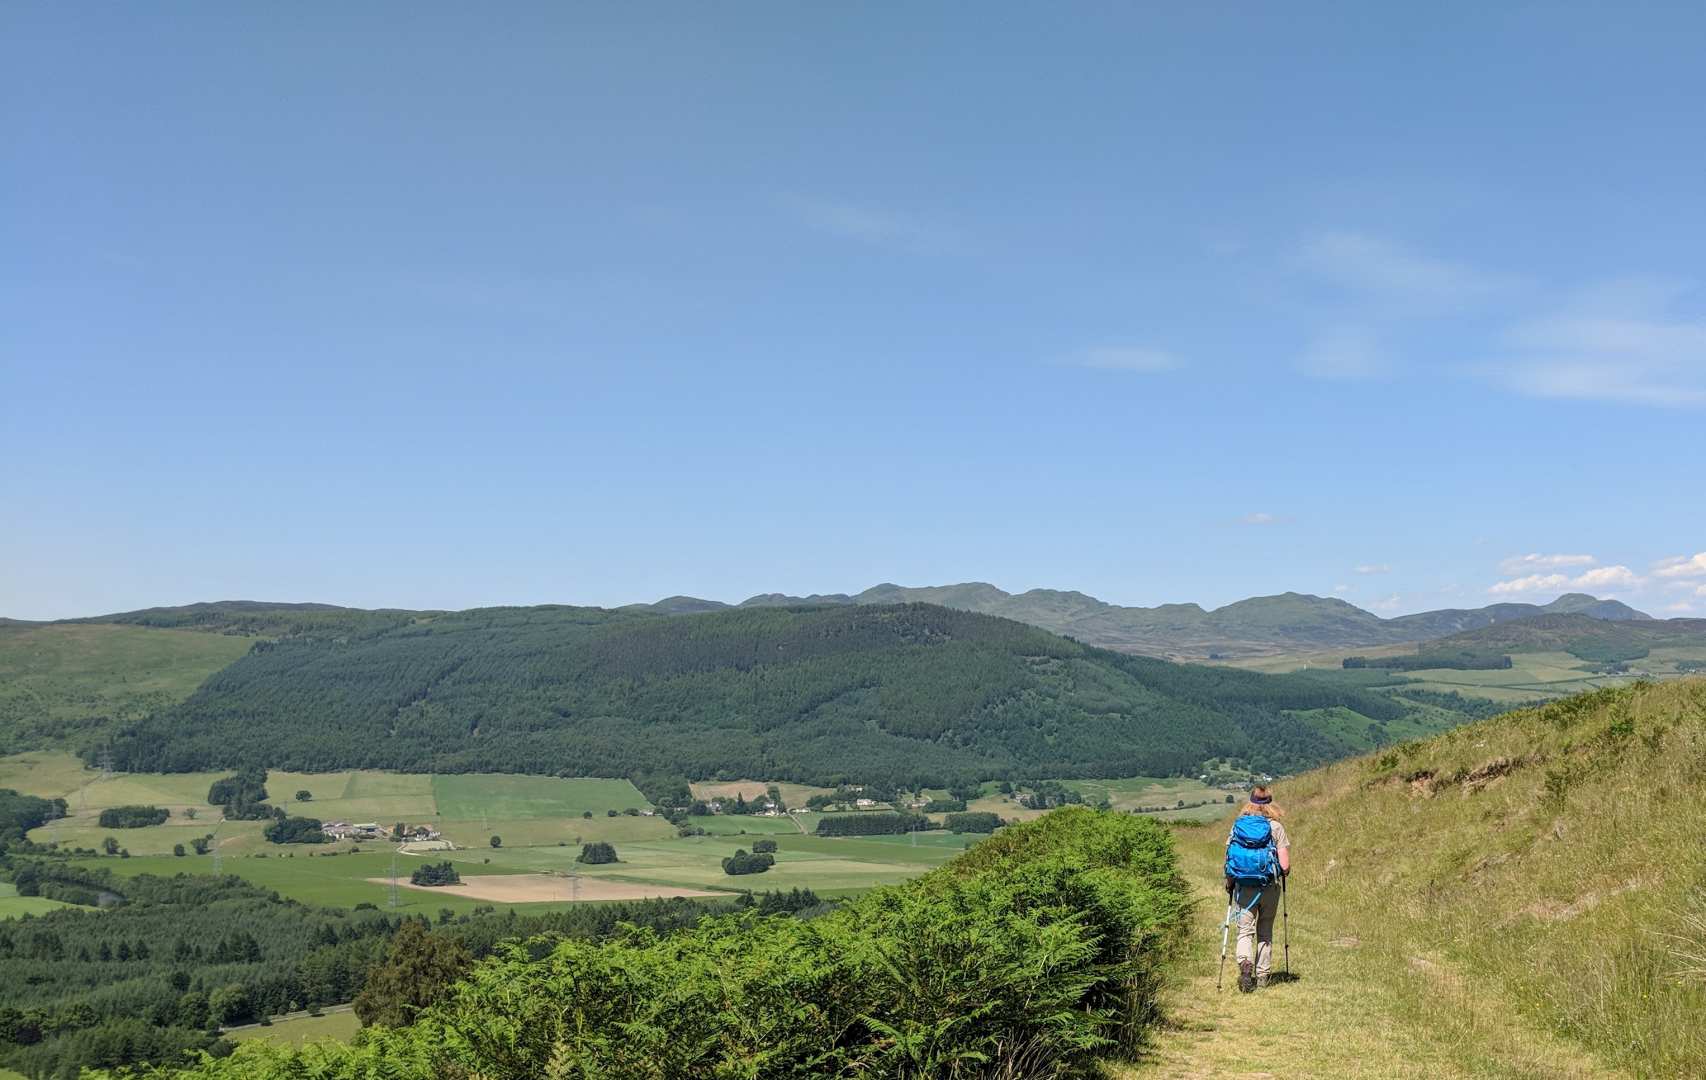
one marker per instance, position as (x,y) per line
(1268,810)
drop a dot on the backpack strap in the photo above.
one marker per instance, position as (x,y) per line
(1253,899)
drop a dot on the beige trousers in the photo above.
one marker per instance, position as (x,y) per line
(1256,925)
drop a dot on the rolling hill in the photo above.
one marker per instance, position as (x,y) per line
(1258,626)
(1573,632)
(908,694)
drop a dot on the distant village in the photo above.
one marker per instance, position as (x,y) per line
(372,830)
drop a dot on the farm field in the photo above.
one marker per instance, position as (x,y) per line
(1130,793)
(795,795)
(468,809)
(299,1029)
(831,866)
(544,888)
(541,821)
(1531,676)
(12,905)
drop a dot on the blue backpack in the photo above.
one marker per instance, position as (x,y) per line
(1251,856)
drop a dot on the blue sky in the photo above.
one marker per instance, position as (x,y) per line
(420,305)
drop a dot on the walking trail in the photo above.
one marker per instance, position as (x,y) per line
(1354,1006)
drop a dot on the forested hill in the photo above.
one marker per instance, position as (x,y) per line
(1259,625)
(907,694)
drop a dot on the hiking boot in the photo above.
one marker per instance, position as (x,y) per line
(1246,976)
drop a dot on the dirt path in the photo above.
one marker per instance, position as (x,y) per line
(1352,1009)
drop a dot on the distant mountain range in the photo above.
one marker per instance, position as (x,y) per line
(1261,625)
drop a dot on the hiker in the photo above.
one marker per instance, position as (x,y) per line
(1258,856)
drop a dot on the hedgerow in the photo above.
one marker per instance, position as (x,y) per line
(1032,953)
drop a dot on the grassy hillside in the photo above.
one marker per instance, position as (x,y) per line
(63,683)
(912,694)
(1521,897)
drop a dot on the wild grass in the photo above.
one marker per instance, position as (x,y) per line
(1518,897)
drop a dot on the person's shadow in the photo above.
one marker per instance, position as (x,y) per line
(1277,977)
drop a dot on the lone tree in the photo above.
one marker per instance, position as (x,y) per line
(304,795)
(596,852)
(764,847)
(416,973)
(497,841)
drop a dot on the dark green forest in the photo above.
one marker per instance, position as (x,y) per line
(910,695)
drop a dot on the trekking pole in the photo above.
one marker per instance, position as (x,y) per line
(1225,929)
(1285,923)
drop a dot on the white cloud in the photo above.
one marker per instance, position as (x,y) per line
(1346,352)
(1607,577)
(1600,577)
(1341,589)
(1701,591)
(1369,264)
(1681,607)
(1681,566)
(1127,358)
(1259,517)
(1530,584)
(1528,564)
(1388,603)
(1374,568)
(1619,342)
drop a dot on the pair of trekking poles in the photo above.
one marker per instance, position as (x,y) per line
(1233,911)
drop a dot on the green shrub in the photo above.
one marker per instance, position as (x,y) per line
(1026,956)
(597,852)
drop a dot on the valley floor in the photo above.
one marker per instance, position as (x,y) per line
(1355,1007)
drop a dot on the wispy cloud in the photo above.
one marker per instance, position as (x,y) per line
(1620,342)
(873,225)
(1387,603)
(1345,352)
(1259,517)
(1374,568)
(1340,590)
(1126,358)
(1681,566)
(1528,564)
(1371,264)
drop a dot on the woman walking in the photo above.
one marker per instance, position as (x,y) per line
(1258,857)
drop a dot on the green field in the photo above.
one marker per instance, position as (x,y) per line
(1532,676)
(468,809)
(299,1029)
(12,905)
(60,681)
